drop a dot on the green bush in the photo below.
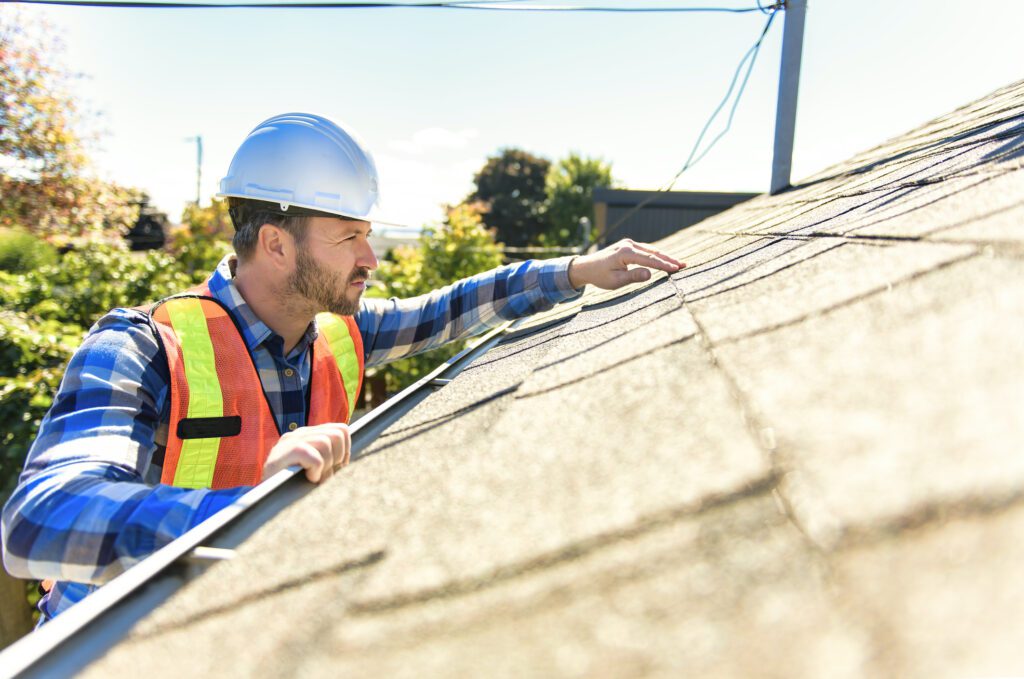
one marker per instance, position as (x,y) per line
(33,353)
(203,239)
(198,257)
(28,343)
(43,319)
(13,288)
(24,400)
(88,282)
(20,251)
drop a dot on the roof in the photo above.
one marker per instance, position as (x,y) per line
(799,456)
(683,199)
(649,216)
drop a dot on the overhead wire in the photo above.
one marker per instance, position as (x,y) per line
(749,58)
(477,5)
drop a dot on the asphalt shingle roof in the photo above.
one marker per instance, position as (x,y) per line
(803,455)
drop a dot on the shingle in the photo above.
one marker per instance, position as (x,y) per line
(574,456)
(834,277)
(903,400)
(603,337)
(722,592)
(716,595)
(761,258)
(503,368)
(949,604)
(991,200)
(266,637)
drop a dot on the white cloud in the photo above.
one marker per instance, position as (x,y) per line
(433,138)
(413,190)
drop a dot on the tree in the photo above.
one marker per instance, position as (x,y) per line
(456,249)
(510,187)
(203,238)
(45,186)
(570,196)
(46,190)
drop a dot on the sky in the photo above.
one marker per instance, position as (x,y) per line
(433,93)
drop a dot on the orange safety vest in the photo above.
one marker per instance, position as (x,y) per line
(221,428)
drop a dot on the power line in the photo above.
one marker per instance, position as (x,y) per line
(480,5)
(693,159)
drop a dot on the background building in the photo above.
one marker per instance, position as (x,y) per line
(661,213)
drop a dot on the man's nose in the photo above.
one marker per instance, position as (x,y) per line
(366,257)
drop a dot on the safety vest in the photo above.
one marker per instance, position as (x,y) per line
(221,427)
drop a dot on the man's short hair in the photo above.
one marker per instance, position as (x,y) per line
(249,215)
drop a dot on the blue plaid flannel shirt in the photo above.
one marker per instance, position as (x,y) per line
(89,503)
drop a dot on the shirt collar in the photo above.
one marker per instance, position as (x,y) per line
(254,331)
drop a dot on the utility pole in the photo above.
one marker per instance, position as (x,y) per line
(198,139)
(585,233)
(789,83)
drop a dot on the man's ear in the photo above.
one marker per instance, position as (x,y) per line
(276,245)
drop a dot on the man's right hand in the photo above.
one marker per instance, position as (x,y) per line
(319,450)
(609,268)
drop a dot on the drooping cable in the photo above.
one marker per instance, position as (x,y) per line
(479,5)
(749,58)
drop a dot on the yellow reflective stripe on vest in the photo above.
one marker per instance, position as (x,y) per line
(198,456)
(343,348)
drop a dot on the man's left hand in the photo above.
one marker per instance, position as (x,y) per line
(609,268)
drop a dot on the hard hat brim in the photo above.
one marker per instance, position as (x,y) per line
(375,216)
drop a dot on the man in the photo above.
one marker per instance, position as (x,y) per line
(170,412)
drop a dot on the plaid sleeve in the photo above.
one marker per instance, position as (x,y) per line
(396,328)
(82,510)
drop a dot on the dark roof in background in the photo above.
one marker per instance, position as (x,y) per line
(630,198)
(800,456)
(648,216)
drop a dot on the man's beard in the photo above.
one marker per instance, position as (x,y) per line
(321,288)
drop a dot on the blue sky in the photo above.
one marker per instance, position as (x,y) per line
(434,93)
